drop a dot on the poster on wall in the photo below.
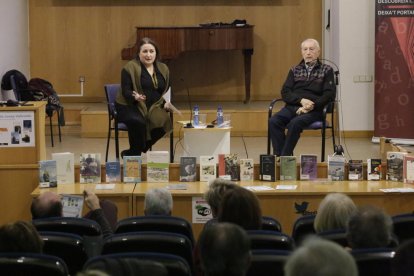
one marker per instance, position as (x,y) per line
(17,129)
(394,69)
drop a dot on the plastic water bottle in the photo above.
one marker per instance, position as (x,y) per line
(220,116)
(195,115)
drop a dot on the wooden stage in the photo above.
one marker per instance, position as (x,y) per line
(284,205)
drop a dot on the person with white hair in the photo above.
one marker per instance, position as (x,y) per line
(158,201)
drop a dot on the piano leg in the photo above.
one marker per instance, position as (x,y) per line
(247,53)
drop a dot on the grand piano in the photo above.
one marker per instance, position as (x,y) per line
(175,40)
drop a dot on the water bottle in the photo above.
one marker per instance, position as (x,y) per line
(195,115)
(220,116)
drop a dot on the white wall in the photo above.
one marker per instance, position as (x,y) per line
(14,32)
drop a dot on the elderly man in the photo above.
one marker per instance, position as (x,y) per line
(308,88)
(49,204)
(158,201)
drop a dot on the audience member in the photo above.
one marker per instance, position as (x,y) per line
(224,250)
(334,212)
(20,236)
(369,227)
(215,192)
(49,204)
(402,263)
(158,201)
(241,206)
(318,257)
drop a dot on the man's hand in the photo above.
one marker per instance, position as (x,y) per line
(91,200)
(307,104)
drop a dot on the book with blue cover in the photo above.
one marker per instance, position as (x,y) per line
(47,174)
(113,171)
(132,169)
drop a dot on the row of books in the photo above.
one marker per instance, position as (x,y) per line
(60,169)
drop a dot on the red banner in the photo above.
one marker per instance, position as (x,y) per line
(394,69)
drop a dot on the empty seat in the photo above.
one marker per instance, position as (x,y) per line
(269,223)
(267,262)
(303,226)
(265,239)
(31,264)
(403,227)
(373,261)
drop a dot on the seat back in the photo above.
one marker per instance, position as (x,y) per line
(175,265)
(156,223)
(269,223)
(157,242)
(264,239)
(31,264)
(78,226)
(373,261)
(338,236)
(111,91)
(403,227)
(267,262)
(303,226)
(68,247)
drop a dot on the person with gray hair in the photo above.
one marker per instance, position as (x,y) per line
(319,257)
(334,212)
(224,250)
(158,201)
(369,227)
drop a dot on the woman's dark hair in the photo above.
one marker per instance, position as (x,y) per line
(20,236)
(241,207)
(147,40)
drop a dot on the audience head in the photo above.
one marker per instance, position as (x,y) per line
(224,250)
(146,44)
(47,204)
(318,257)
(215,193)
(158,201)
(241,206)
(369,227)
(20,236)
(310,50)
(334,212)
(402,263)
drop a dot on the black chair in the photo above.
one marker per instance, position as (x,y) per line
(111,91)
(157,242)
(78,226)
(338,236)
(303,226)
(318,125)
(17,81)
(403,226)
(156,223)
(69,247)
(264,239)
(267,262)
(269,223)
(373,261)
(175,265)
(32,264)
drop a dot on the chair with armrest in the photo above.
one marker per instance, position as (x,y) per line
(111,91)
(327,123)
(32,264)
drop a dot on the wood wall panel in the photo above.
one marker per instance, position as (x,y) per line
(72,38)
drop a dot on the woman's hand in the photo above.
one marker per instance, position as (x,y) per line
(167,106)
(138,97)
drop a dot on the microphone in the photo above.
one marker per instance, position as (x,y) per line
(189,124)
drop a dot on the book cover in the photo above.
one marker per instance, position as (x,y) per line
(228,166)
(267,167)
(188,166)
(90,168)
(288,168)
(374,169)
(208,168)
(395,162)
(355,170)
(112,171)
(65,164)
(132,169)
(47,173)
(158,164)
(72,205)
(408,169)
(246,169)
(308,166)
(336,167)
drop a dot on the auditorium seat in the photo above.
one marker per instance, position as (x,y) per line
(32,264)
(267,262)
(338,236)
(303,226)
(156,223)
(403,226)
(174,264)
(269,223)
(265,239)
(373,261)
(78,226)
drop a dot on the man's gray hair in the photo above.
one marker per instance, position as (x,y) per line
(158,201)
(311,40)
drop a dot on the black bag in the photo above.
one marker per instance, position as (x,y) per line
(47,89)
